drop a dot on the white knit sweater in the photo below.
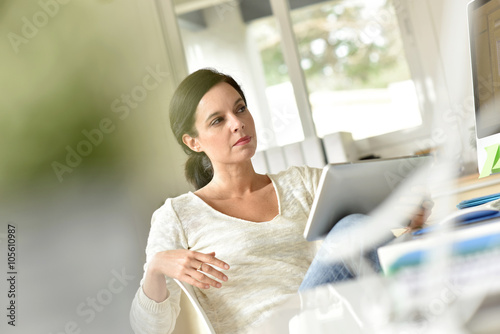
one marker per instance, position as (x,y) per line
(268,260)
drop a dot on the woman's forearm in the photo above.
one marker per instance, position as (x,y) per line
(155,286)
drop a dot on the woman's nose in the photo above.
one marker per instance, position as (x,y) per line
(236,124)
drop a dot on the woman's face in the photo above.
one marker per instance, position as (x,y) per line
(225,127)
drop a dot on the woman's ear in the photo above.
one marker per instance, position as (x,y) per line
(191,142)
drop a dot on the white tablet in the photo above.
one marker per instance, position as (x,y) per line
(356,187)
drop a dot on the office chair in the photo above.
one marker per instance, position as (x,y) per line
(189,291)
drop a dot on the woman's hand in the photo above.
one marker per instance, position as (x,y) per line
(186,266)
(189,266)
(420,217)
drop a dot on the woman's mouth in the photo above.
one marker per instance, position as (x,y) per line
(243,141)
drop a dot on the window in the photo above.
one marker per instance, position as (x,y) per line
(353,60)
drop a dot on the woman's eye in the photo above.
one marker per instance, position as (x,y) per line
(216,121)
(242,109)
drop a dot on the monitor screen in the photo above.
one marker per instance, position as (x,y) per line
(484,34)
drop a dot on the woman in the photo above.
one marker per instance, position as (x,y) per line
(238,238)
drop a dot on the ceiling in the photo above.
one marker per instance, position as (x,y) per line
(190,12)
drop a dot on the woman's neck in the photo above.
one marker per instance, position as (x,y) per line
(234,181)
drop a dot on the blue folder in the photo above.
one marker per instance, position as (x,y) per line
(459,223)
(477,201)
(468,218)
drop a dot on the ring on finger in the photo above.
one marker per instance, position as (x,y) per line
(199,267)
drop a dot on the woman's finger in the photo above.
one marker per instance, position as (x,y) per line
(190,280)
(211,259)
(202,264)
(206,268)
(201,277)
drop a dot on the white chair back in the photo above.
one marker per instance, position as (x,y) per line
(189,291)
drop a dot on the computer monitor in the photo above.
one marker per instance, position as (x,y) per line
(484,40)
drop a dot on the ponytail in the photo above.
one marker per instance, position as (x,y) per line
(198,170)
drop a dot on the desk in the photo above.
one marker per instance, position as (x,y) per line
(418,300)
(467,187)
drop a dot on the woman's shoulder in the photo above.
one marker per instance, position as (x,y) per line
(303,172)
(167,230)
(173,206)
(299,177)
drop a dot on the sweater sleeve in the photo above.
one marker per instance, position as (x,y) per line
(146,315)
